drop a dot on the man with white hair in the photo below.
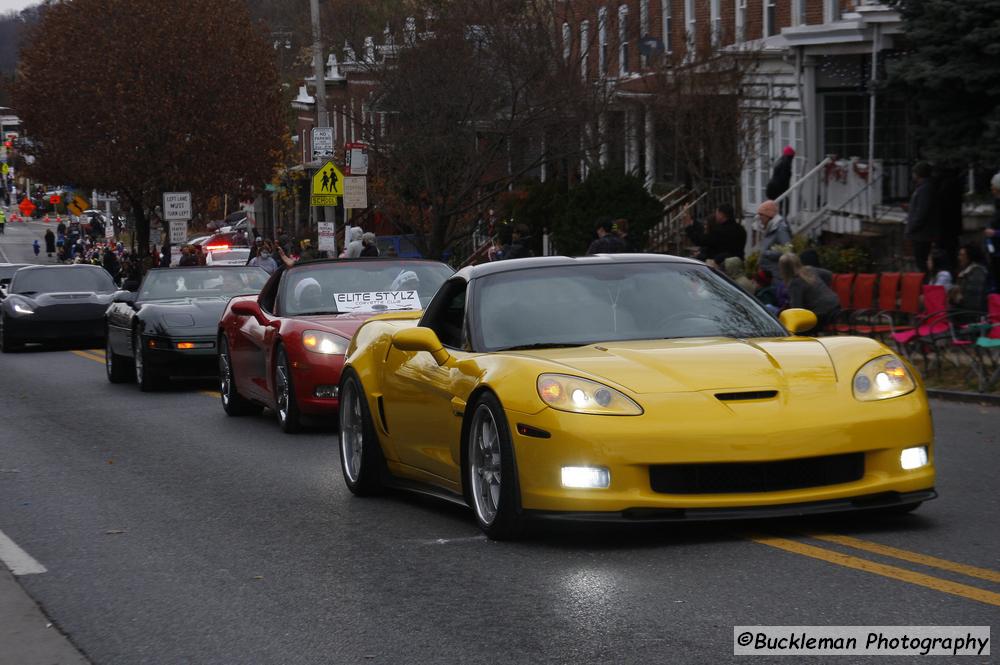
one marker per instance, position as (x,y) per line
(774,230)
(993,231)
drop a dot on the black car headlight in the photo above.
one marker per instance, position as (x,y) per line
(23,309)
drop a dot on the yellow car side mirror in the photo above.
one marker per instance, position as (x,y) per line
(421,339)
(798,320)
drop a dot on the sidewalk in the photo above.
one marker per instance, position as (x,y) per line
(24,638)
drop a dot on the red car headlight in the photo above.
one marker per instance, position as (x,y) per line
(325,343)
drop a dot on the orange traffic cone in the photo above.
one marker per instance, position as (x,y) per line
(47,220)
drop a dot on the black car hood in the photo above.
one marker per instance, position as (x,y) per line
(183,316)
(56,299)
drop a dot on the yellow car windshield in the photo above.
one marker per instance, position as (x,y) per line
(569,305)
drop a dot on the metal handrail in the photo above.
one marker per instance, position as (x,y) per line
(801,181)
(827,210)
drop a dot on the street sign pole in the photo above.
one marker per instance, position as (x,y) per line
(319,69)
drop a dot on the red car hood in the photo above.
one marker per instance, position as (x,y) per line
(344,325)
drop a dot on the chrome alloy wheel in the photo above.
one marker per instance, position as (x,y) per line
(108,356)
(352,438)
(137,354)
(484,464)
(225,376)
(282,387)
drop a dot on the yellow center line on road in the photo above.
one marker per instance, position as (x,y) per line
(89,356)
(906,555)
(892,572)
(98,356)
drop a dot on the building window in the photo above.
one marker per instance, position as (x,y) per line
(584,49)
(623,64)
(689,29)
(567,37)
(643,24)
(799,12)
(831,10)
(602,41)
(741,20)
(666,18)
(715,14)
(770,17)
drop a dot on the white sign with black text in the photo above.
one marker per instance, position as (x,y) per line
(178,231)
(176,205)
(327,236)
(377,301)
(355,192)
(322,143)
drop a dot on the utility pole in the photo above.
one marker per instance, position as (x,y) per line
(319,70)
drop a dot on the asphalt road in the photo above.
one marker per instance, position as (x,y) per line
(173,534)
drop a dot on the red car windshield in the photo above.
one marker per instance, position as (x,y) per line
(361,287)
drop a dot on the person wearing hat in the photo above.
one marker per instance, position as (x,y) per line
(921,226)
(781,176)
(774,230)
(993,231)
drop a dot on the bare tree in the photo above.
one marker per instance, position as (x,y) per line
(478,100)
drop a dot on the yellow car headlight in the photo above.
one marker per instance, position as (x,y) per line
(883,378)
(576,395)
(326,343)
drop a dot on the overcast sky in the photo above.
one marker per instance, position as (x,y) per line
(7,5)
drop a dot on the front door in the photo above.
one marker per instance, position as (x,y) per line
(423,416)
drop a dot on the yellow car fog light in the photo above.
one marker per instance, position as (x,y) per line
(913,458)
(586,477)
(882,378)
(577,395)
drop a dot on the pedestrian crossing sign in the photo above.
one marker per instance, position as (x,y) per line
(327,186)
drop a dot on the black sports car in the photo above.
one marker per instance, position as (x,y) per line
(7,271)
(55,304)
(168,328)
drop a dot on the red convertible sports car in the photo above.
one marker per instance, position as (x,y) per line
(284,349)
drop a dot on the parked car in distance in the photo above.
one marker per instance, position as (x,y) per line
(234,256)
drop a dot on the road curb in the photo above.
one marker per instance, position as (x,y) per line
(965,397)
(28,636)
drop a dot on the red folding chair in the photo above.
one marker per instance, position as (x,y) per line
(861,300)
(841,285)
(928,328)
(871,322)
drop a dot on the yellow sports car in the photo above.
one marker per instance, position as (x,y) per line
(627,387)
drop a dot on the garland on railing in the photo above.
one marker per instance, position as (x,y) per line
(834,170)
(862,172)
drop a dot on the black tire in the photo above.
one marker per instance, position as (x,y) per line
(507,522)
(365,470)
(289,417)
(117,367)
(7,344)
(233,403)
(147,378)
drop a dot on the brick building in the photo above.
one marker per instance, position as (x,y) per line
(808,89)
